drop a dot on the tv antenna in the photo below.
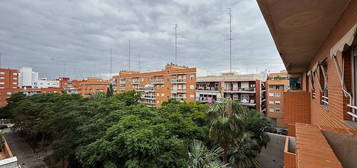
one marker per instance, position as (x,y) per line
(230,39)
(176,44)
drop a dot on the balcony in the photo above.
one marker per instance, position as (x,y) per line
(240,90)
(135,82)
(178,81)
(178,91)
(150,97)
(157,81)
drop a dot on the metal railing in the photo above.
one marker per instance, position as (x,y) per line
(324,100)
(178,80)
(353,114)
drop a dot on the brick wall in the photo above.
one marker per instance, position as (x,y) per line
(297,107)
(335,113)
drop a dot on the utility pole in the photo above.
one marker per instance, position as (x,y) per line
(230,39)
(129,54)
(176,44)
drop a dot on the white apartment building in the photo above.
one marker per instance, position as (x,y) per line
(29,78)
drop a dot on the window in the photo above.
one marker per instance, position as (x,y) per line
(271,102)
(277,94)
(15,74)
(2,77)
(271,87)
(192,77)
(271,94)
(2,73)
(277,102)
(192,86)
(323,82)
(277,110)
(2,87)
(162,94)
(271,110)
(1,83)
(8,93)
(15,83)
(157,94)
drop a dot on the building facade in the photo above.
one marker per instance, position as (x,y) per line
(90,86)
(27,77)
(317,43)
(248,89)
(9,80)
(177,82)
(276,85)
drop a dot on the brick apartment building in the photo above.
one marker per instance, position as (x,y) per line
(276,85)
(249,89)
(9,80)
(90,86)
(173,81)
(318,45)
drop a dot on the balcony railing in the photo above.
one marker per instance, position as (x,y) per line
(178,81)
(178,91)
(353,114)
(148,97)
(324,100)
(157,81)
(250,89)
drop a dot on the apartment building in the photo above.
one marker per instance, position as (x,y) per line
(318,45)
(90,86)
(27,77)
(249,89)
(69,86)
(9,79)
(177,82)
(276,85)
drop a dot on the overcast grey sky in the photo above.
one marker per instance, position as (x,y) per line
(74,37)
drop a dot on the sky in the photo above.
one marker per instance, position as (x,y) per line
(78,38)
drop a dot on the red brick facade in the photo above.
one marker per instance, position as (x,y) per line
(9,79)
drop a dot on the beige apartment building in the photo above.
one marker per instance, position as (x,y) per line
(248,89)
(277,84)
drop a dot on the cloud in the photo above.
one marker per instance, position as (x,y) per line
(74,38)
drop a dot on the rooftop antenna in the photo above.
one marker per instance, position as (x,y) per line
(111,62)
(139,62)
(176,44)
(230,39)
(129,54)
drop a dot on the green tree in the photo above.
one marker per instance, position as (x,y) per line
(201,157)
(224,125)
(243,152)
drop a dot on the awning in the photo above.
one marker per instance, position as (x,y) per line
(347,39)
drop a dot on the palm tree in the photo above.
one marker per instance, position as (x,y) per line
(201,157)
(225,125)
(244,151)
